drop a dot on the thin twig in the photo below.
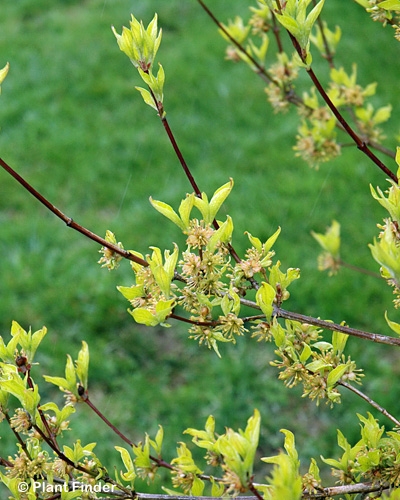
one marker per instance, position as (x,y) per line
(159,461)
(260,69)
(179,154)
(361,270)
(373,403)
(70,222)
(61,455)
(17,435)
(328,325)
(106,421)
(361,145)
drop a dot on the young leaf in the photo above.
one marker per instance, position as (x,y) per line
(336,374)
(392,324)
(218,199)
(147,97)
(185,209)
(130,473)
(222,235)
(170,213)
(265,297)
(82,365)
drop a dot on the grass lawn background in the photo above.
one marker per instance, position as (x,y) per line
(73,125)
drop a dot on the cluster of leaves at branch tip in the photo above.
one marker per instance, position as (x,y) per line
(317,138)
(141,44)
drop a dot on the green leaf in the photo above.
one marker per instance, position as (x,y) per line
(68,383)
(336,374)
(12,383)
(197,487)
(271,241)
(79,452)
(217,489)
(168,212)
(7,352)
(82,365)
(392,202)
(222,235)
(318,365)
(163,274)
(131,292)
(252,434)
(265,298)
(289,445)
(147,97)
(13,485)
(157,442)
(289,23)
(278,333)
(330,241)
(203,206)
(256,242)
(305,353)
(339,341)
(218,199)
(387,253)
(390,5)
(204,439)
(392,324)
(130,473)
(144,317)
(313,15)
(29,342)
(185,209)
(3,73)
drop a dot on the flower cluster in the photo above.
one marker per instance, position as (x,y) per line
(305,359)
(281,89)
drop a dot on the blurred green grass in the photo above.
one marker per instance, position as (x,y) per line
(74,126)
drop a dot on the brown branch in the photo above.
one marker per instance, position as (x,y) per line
(68,221)
(373,403)
(261,71)
(105,420)
(361,270)
(18,437)
(61,455)
(179,154)
(324,493)
(296,100)
(361,145)
(328,325)
(159,461)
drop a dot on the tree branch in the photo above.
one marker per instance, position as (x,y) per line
(328,325)
(371,402)
(68,221)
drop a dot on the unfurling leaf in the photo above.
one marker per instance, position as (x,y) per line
(265,298)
